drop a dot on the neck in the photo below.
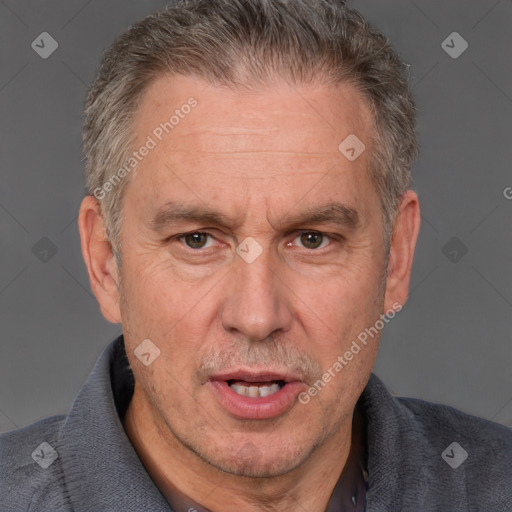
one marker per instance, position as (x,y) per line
(180,473)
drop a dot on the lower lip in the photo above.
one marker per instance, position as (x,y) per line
(259,408)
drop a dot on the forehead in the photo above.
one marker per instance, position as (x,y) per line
(280,117)
(237,143)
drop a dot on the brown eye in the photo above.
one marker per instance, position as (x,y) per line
(196,240)
(311,239)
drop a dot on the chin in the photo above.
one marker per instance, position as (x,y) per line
(253,462)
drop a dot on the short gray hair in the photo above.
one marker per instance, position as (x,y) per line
(249,44)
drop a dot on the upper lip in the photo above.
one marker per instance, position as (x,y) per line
(253,375)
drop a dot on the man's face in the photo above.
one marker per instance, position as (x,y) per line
(261,173)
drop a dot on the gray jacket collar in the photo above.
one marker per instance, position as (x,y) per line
(101,467)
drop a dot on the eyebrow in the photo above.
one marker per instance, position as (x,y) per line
(329,213)
(174,213)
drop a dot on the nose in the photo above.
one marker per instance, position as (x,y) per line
(257,302)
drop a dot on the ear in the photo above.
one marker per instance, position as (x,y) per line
(405,233)
(99,259)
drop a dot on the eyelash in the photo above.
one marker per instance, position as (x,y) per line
(327,236)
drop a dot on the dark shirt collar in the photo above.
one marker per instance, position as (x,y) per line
(349,493)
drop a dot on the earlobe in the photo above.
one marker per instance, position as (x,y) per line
(99,259)
(405,234)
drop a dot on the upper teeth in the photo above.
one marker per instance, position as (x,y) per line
(255,391)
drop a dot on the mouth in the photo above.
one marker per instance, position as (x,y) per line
(256,395)
(255,389)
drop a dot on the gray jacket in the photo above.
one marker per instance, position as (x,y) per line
(84,461)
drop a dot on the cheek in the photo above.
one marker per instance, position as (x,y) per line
(175,317)
(342,303)
(166,393)
(153,301)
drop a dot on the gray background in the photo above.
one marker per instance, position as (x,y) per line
(452,341)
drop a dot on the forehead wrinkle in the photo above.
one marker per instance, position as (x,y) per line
(261,151)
